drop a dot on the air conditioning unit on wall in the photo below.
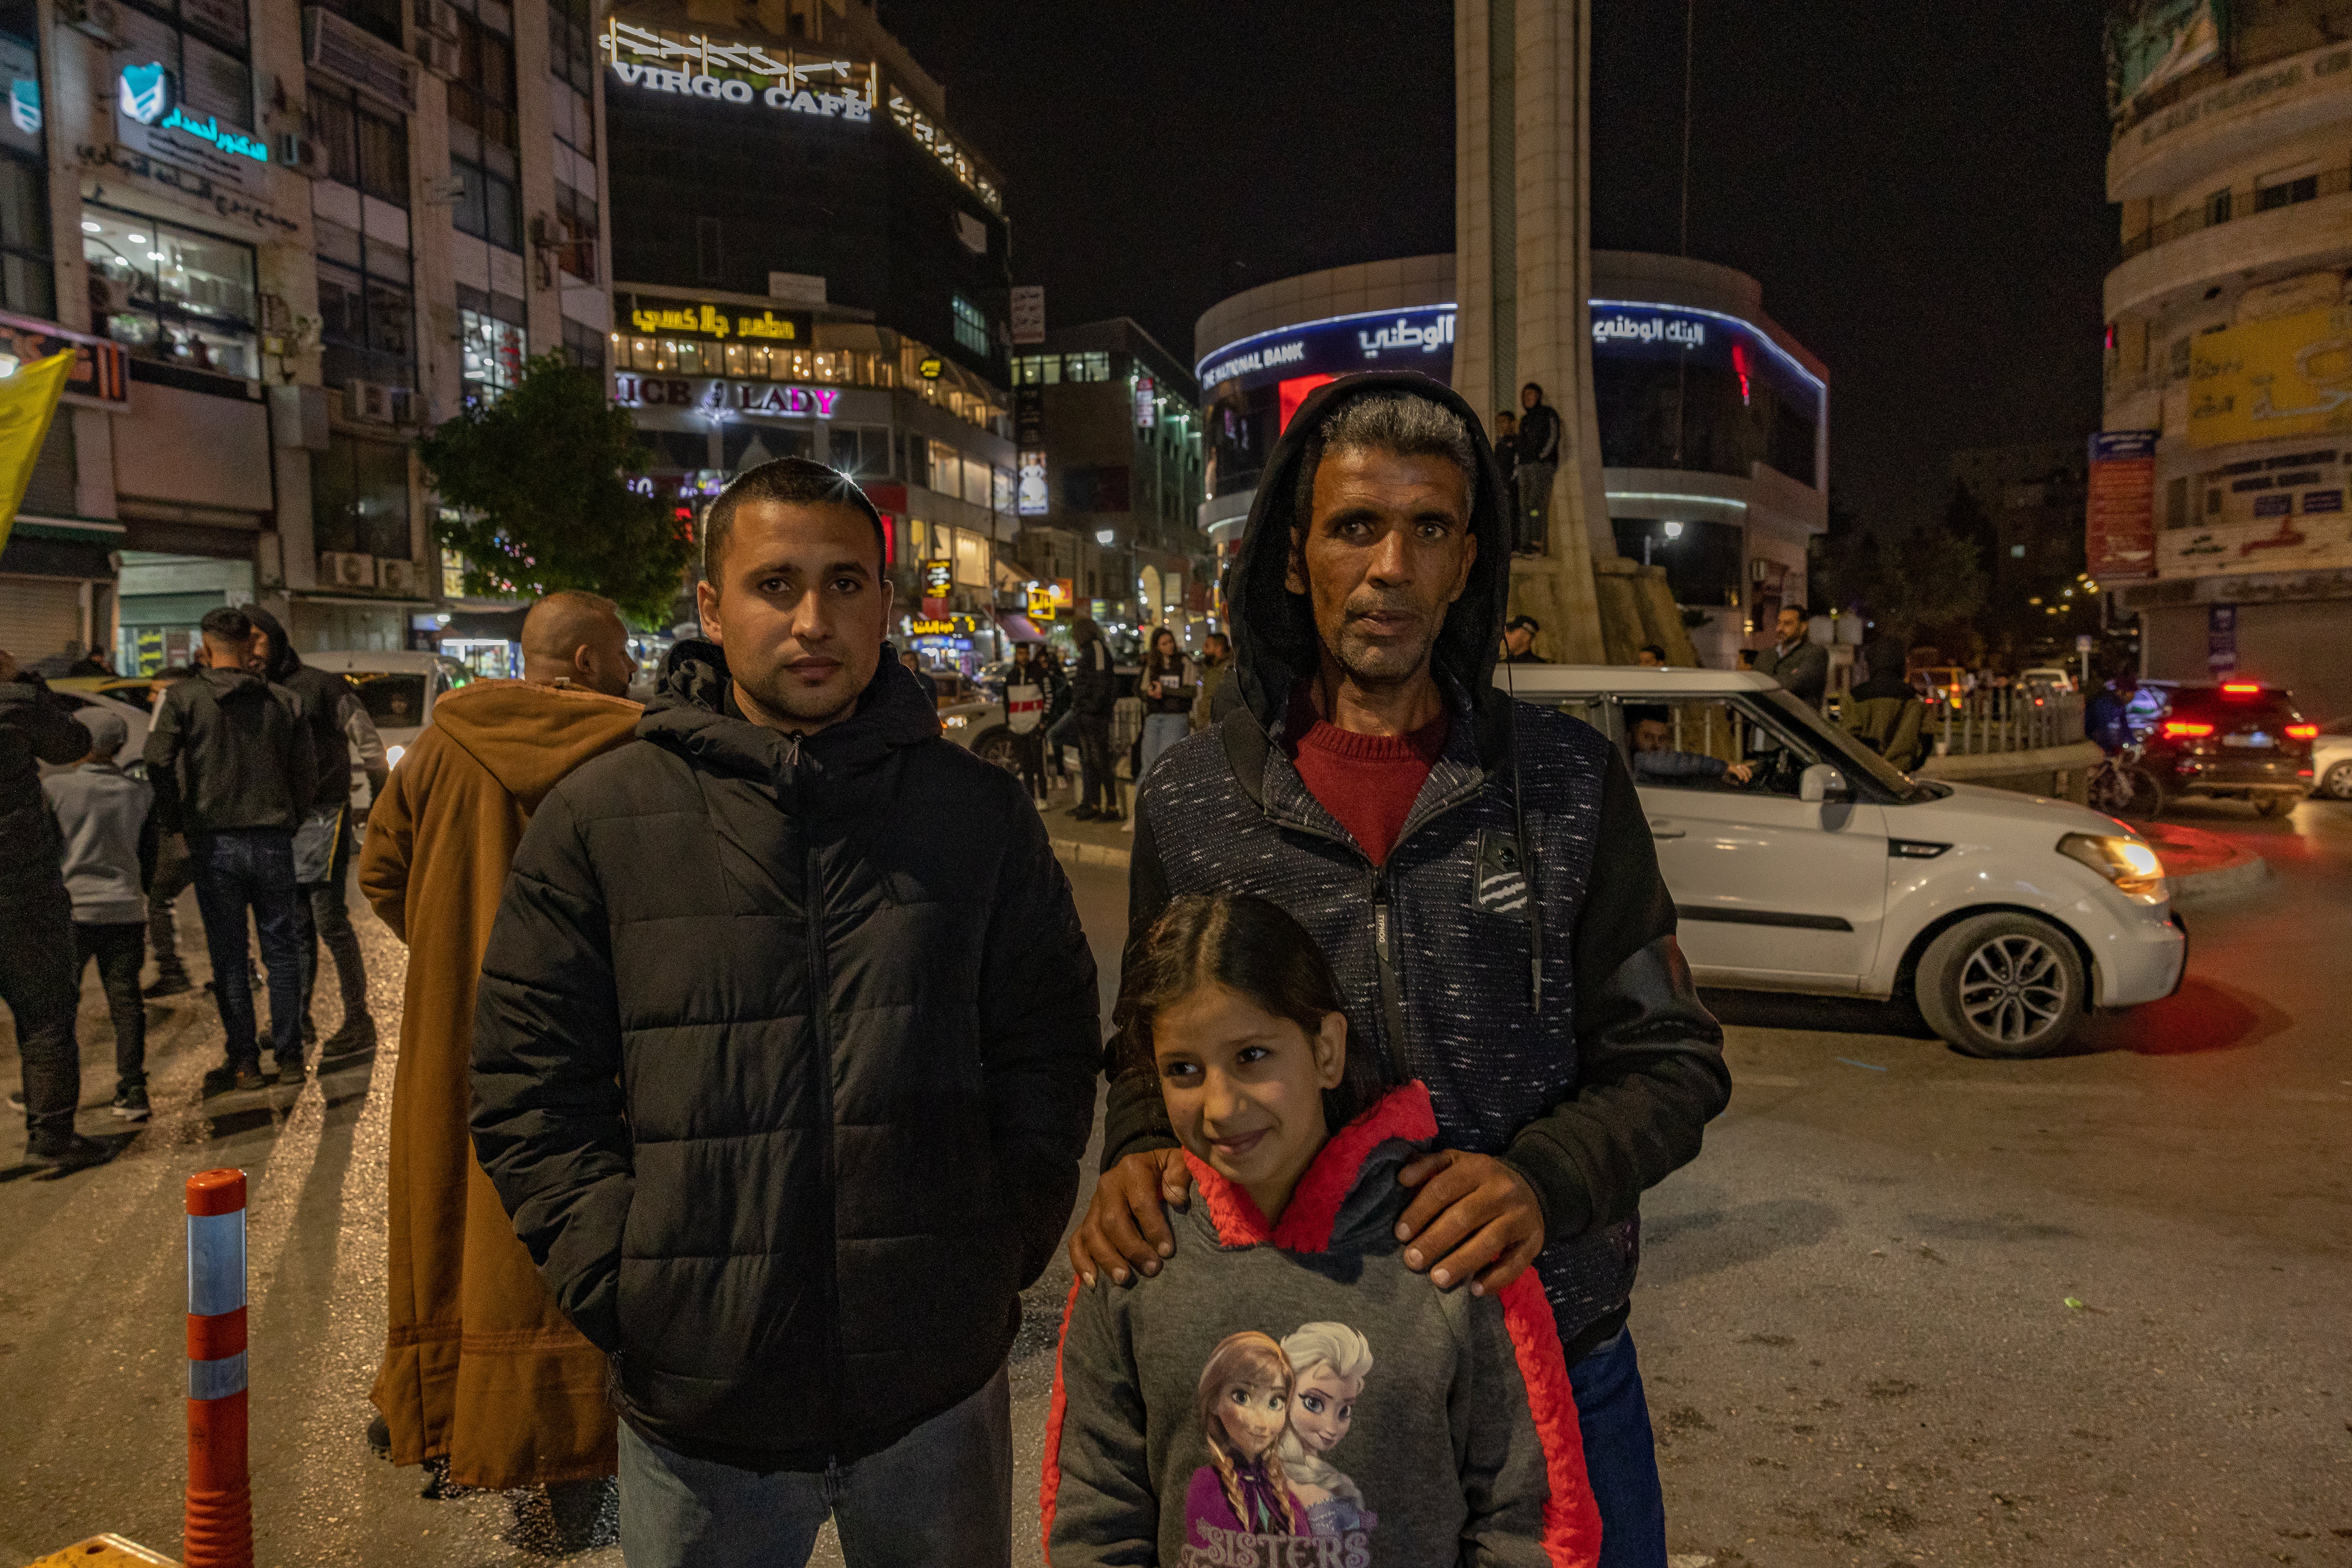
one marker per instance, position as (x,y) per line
(368,402)
(395,576)
(339,569)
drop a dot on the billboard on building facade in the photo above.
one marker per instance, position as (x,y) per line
(2120,516)
(2273,380)
(2152,42)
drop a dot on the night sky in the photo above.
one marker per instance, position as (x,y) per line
(1919,189)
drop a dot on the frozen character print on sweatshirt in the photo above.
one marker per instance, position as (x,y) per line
(1247,1505)
(1329,1363)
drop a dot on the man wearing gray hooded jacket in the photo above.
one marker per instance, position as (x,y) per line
(1480,874)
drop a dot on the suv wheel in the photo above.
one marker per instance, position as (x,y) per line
(2338,786)
(996,747)
(2003,985)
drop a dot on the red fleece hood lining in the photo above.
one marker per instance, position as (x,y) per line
(1314,1207)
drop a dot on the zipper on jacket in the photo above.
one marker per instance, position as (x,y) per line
(821,1025)
(1391,988)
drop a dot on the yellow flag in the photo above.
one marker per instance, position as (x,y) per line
(28,397)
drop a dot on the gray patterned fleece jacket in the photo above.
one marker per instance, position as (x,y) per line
(1290,1395)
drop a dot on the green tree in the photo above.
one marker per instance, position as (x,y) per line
(1910,578)
(535,497)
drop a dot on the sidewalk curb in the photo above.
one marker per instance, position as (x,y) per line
(2241,875)
(1086,854)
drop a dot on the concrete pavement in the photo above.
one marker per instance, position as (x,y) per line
(1855,1307)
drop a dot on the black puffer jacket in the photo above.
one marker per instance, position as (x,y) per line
(230,751)
(35,728)
(782,1064)
(1594,1088)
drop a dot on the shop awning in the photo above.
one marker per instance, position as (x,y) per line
(1018,627)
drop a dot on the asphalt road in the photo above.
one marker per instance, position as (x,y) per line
(1907,1308)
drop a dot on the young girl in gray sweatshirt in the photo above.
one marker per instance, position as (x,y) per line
(1284,1392)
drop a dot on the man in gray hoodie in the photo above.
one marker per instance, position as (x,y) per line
(107,822)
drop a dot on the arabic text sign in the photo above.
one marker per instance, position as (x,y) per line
(2121,514)
(2266,381)
(656,317)
(2302,543)
(1418,339)
(150,117)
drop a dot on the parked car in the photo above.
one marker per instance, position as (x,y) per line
(398,688)
(2046,678)
(2331,760)
(2231,740)
(2006,916)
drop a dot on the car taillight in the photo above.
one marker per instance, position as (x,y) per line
(2241,687)
(2303,731)
(2184,729)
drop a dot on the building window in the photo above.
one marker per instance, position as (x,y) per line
(971,326)
(358,498)
(1095,366)
(482,133)
(171,294)
(359,147)
(490,337)
(203,44)
(380,17)
(2286,193)
(366,309)
(27,282)
(1037,369)
(584,346)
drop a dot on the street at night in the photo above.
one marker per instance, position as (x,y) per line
(1907,1307)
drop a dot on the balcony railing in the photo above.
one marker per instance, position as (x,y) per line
(2224,206)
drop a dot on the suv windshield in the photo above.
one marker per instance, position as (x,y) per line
(394,702)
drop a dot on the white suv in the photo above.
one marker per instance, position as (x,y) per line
(2006,916)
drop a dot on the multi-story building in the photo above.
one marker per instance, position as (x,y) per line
(284,238)
(1713,420)
(811,263)
(2230,333)
(2031,499)
(1110,430)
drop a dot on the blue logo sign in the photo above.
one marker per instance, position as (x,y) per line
(146,92)
(25,105)
(1418,338)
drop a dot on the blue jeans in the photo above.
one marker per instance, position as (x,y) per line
(941,1496)
(1162,731)
(252,868)
(1621,1461)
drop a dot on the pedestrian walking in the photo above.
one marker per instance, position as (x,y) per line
(1094,695)
(1024,717)
(1216,653)
(174,874)
(340,731)
(1481,875)
(1884,711)
(481,1369)
(1535,458)
(930,688)
(1168,684)
(231,761)
(107,820)
(1794,660)
(1058,704)
(1216,1405)
(783,1065)
(39,975)
(1507,450)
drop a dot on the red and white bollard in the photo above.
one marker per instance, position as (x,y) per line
(220,1496)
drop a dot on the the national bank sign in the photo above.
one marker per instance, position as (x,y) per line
(727,72)
(1418,339)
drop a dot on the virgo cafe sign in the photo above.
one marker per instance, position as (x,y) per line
(724,71)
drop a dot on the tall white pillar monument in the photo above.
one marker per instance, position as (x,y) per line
(1523,270)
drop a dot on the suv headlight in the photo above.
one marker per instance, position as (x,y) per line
(2131,864)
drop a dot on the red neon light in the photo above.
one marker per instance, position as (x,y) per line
(1293,392)
(2184,729)
(1740,367)
(2240,687)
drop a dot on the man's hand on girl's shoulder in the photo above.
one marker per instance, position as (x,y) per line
(1474,1215)
(1125,1231)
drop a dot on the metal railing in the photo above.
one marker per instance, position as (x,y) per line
(2249,201)
(2007,719)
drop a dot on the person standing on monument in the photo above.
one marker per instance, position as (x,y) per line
(1480,873)
(481,1370)
(1536,453)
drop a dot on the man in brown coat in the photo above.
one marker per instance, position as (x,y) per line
(481,1368)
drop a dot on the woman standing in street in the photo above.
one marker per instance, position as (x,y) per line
(1166,686)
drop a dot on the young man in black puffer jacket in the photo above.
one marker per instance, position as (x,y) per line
(784,1063)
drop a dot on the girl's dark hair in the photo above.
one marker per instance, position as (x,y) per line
(1253,949)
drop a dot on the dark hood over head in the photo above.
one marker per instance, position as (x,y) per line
(1274,636)
(283,660)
